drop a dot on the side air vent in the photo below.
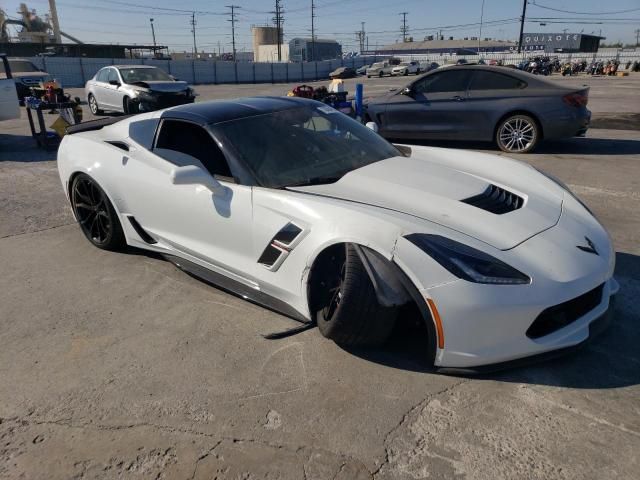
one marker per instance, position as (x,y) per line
(141,231)
(287,234)
(270,255)
(280,245)
(496,200)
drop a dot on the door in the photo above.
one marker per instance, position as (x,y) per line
(434,108)
(100,90)
(215,229)
(9,107)
(112,90)
(491,95)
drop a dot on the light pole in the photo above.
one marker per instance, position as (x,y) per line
(153,34)
(481,19)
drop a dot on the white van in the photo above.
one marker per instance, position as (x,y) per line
(9,107)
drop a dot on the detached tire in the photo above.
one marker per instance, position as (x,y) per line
(347,309)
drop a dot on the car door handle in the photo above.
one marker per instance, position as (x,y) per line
(458,98)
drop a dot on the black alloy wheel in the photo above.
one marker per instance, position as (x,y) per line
(95,214)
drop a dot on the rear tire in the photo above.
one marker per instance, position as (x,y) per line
(517,134)
(96,216)
(347,310)
(381,75)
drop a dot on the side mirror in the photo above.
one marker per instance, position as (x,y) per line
(114,82)
(372,125)
(408,91)
(194,175)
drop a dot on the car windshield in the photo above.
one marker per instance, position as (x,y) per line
(404,64)
(133,75)
(306,145)
(21,66)
(377,65)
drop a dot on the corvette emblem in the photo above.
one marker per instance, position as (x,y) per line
(590,247)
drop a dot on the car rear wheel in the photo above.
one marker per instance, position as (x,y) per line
(93,105)
(517,134)
(347,309)
(380,74)
(96,216)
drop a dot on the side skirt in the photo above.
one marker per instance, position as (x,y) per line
(220,281)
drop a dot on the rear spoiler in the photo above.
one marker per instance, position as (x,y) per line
(94,124)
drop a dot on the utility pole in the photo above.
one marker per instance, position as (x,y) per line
(54,21)
(193,30)
(481,19)
(278,21)
(637,32)
(153,34)
(313,32)
(404,29)
(361,36)
(233,21)
(524,12)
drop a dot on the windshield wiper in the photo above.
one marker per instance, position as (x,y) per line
(316,181)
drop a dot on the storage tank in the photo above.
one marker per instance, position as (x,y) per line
(263,36)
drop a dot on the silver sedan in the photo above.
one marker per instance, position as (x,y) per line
(135,88)
(481,103)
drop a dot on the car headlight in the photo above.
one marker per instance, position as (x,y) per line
(145,96)
(467,263)
(564,186)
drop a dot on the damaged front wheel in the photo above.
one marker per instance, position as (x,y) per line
(346,307)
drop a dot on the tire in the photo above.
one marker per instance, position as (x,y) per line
(348,312)
(417,72)
(96,216)
(406,73)
(368,76)
(381,75)
(517,134)
(93,105)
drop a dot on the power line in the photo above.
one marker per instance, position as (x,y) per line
(233,21)
(533,2)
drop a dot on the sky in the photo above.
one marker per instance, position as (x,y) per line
(122,21)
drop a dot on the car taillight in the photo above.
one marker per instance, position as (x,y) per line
(578,99)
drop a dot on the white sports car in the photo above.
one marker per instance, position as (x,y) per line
(295,206)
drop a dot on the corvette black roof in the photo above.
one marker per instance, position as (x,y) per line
(217,111)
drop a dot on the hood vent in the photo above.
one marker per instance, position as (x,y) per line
(496,200)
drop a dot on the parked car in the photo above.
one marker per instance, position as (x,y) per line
(26,76)
(290,205)
(363,69)
(134,89)
(406,68)
(343,72)
(9,106)
(482,103)
(379,69)
(431,66)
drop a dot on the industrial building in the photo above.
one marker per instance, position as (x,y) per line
(431,44)
(561,42)
(306,50)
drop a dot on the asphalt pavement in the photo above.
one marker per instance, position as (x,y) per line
(118,365)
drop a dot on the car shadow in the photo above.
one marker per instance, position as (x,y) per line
(572,146)
(611,360)
(22,148)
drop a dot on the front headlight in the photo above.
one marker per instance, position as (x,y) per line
(467,263)
(147,96)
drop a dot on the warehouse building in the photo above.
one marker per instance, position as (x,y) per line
(304,50)
(464,46)
(561,42)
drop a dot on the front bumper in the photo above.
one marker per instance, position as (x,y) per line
(157,102)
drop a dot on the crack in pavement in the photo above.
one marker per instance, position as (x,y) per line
(65,422)
(37,231)
(202,457)
(423,403)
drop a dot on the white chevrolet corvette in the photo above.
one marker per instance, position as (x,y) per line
(295,206)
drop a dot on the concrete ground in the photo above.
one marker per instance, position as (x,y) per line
(117,365)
